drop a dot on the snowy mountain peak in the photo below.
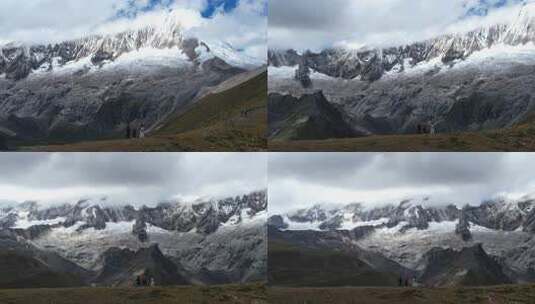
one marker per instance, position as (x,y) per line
(160,44)
(442,52)
(498,214)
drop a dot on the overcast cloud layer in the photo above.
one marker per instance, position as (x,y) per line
(318,24)
(49,21)
(137,178)
(298,180)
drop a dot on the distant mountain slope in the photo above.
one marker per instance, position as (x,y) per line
(439,244)
(23,271)
(228,117)
(307,117)
(205,242)
(122,266)
(93,87)
(324,259)
(469,267)
(248,96)
(464,82)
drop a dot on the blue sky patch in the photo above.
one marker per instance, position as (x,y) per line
(132,9)
(483,7)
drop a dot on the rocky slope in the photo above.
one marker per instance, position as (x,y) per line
(308,117)
(93,87)
(457,82)
(207,241)
(496,232)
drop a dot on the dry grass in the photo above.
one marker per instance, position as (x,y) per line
(520,138)
(507,294)
(232,294)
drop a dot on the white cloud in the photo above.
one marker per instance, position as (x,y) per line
(298,180)
(137,178)
(317,24)
(49,21)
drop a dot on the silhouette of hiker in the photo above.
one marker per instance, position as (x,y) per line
(138,281)
(142,131)
(145,281)
(400,282)
(128,130)
(406,282)
(419,129)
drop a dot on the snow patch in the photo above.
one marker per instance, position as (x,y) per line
(283,72)
(24,223)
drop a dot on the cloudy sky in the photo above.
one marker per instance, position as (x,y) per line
(298,180)
(137,178)
(239,22)
(317,24)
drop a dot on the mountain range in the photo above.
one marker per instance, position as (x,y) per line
(467,81)
(93,87)
(431,244)
(95,242)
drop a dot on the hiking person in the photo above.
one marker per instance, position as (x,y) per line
(406,282)
(432,131)
(419,129)
(400,282)
(128,130)
(142,131)
(152,282)
(138,281)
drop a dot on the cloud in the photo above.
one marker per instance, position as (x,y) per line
(138,178)
(50,21)
(318,24)
(299,180)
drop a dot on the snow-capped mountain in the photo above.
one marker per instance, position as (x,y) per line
(203,237)
(499,214)
(93,87)
(18,61)
(371,64)
(407,232)
(470,81)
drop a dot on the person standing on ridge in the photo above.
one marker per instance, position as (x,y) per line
(128,131)
(142,131)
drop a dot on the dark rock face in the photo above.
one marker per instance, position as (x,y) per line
(140,230)
(307,117)
(33,232)
(277,222)
(101,56)
(122,266)
(302,74)
(283,58)
(8,221)
(468,267)
(332,224)
(463,227)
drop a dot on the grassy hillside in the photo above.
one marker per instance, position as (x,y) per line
(232,120)
(292,266)
(518,138)
(510,294)
(231,294)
